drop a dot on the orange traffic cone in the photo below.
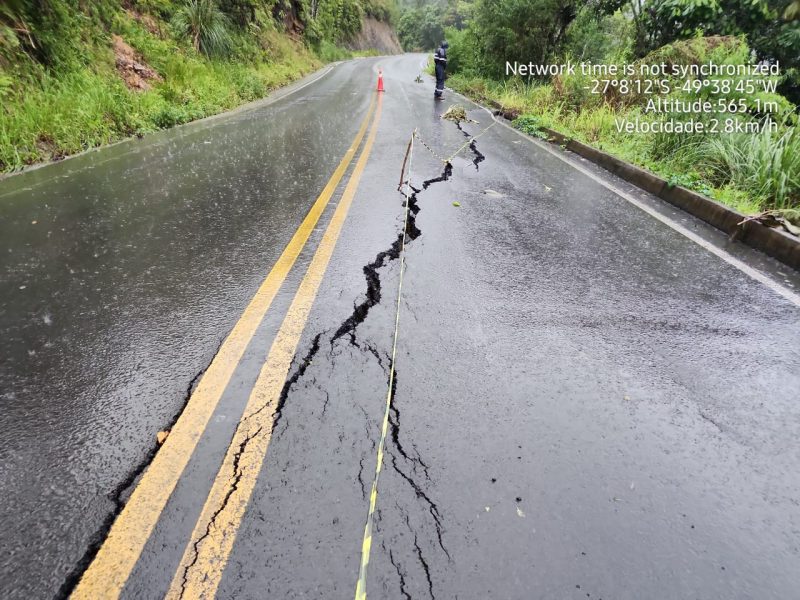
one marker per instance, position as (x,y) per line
(380,81)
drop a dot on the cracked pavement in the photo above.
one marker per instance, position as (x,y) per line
(586,404)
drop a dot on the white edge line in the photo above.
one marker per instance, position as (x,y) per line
(789,295)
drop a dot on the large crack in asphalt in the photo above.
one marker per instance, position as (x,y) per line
(373,294)
(117,496)
(374,287)
(394,425)
(473,146)
(425,567)
(416,460)
(295,377)
(400,574)
(236,471)
(237,476)
(348,329)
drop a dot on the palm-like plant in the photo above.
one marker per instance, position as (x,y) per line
(792,11)
(205,25)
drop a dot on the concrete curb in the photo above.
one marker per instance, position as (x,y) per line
(773,242)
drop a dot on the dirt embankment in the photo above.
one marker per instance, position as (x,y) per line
(376,35)
(131,67)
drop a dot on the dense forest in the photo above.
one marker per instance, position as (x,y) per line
(76,74)
(752,167)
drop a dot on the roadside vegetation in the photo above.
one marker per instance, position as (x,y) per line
(753,170)
(76,75)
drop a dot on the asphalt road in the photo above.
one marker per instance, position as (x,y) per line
(588,403)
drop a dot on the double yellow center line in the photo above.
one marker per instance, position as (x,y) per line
(207,553)
(201,567)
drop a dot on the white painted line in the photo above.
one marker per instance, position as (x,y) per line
(308,83)
(788,294)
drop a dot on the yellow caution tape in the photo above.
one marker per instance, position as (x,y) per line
(366,545)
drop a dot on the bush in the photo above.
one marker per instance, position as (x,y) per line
(339,20)
(766,165)
(38,126)
(170,115)
(462,55)
(531,125)
(382,10)
(241,12)
(597,38)
(330,52)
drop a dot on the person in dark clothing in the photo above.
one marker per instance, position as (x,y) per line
(440,62)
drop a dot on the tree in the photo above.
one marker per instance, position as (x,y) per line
(772,38)
(520,30)
(599,37)
(458,13)
(421,28)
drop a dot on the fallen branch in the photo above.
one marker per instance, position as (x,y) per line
(788,218)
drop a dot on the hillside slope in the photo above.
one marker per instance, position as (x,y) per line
(77,75)
(376,35)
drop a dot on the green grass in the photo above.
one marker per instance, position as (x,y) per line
(750,173)
(48,115)
(330,52)
(767,165)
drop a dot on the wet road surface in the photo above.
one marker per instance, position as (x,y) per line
(587,404)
